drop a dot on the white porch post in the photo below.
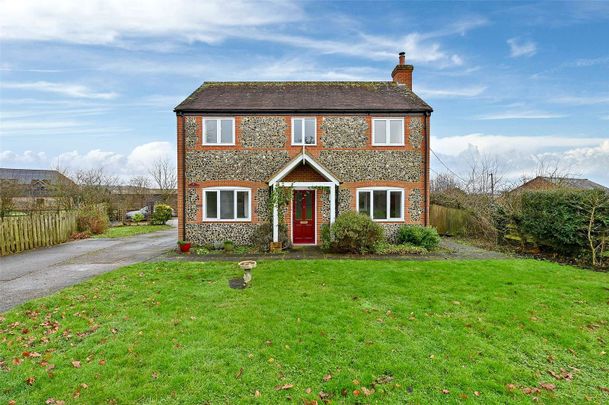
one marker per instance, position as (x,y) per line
(332,203)
(275,220)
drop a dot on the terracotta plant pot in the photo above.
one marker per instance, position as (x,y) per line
(185,247)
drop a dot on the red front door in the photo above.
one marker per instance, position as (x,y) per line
(303,217)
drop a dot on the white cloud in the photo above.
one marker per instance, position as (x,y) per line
(116,21)
(582,157)
(581,99)
(527,115)
(520,48)
(449,93)
(122,165)
(65,89)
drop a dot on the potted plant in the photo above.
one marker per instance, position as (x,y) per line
(184,246)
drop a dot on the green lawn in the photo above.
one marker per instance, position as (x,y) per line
(126,230)
(354,331)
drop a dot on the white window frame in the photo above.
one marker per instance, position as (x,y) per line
(388,131)
(387,189)
(218,131)
(303,131)
(234,190)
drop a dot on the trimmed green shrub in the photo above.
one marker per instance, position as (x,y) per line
(354,233)
(161,214)
(229,246)
(139,217)
(417,235)
(325,237)
(92,219)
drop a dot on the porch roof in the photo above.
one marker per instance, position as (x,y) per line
(308,159)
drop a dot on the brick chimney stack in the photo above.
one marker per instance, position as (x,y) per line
(402,73)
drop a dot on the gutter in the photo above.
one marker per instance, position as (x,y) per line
(300,111)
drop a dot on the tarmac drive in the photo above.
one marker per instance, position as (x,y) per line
(40,272)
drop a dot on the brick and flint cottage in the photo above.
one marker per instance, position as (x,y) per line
(336,146)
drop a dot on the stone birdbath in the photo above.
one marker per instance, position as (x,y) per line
(247,266)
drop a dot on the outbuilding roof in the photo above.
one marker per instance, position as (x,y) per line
(212,97)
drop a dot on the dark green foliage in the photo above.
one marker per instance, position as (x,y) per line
(325,237)
(229,246)
(386,248)
(417,235)
(263,236)
(560,219)
(354,233)
(161,214)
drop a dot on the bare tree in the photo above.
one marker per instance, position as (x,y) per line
(95,185)
(164,175)
(444,182)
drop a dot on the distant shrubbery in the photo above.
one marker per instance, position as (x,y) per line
(93,219)
(263,236)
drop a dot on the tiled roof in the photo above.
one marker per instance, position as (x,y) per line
(579,184)
(303,97)
(26,176)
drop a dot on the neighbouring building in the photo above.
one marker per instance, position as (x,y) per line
(553,183)
(33,188)
(338,146)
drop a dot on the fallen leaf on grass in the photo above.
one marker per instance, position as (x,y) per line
(257,394)
(310,402)
(308,390)
(604,389)
(383,379)
(510,387)
(477,393)
(76,364)
(445,392)
(239,373)
(548,386)
(102,362)
(356,393)
(324,396)
(30,380)
(344,392)
(327,377)
(283,387)
(367,392)
(531,390)
(16,361)
(463,396)
(155,375)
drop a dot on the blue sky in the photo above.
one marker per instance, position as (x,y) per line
(84,84)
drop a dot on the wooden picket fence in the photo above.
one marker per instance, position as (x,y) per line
(449,221)
(35,230)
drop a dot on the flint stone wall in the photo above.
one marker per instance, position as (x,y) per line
(360,165)
(415,206)
(391,231)
(191,131)
(209,233)
(344,132)
(415,129)
(263,132)
(244,165)
(192,204)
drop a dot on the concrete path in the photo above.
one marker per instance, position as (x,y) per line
(39,272)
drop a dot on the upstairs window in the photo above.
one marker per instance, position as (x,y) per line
(218,131)
(388,132)
(304,131)
(381,204)
(226,204)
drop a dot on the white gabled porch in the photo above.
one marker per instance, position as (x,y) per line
(330,182)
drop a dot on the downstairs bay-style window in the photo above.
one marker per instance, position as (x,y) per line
(387,132)
(381,203)
(218,131)
(226,204)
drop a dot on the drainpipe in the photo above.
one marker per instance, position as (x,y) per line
(183,135)
(428,144)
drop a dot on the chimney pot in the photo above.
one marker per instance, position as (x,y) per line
(402,58)
(402,73)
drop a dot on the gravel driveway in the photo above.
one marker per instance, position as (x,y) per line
(39,272)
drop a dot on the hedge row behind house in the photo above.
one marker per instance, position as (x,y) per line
(568,222)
